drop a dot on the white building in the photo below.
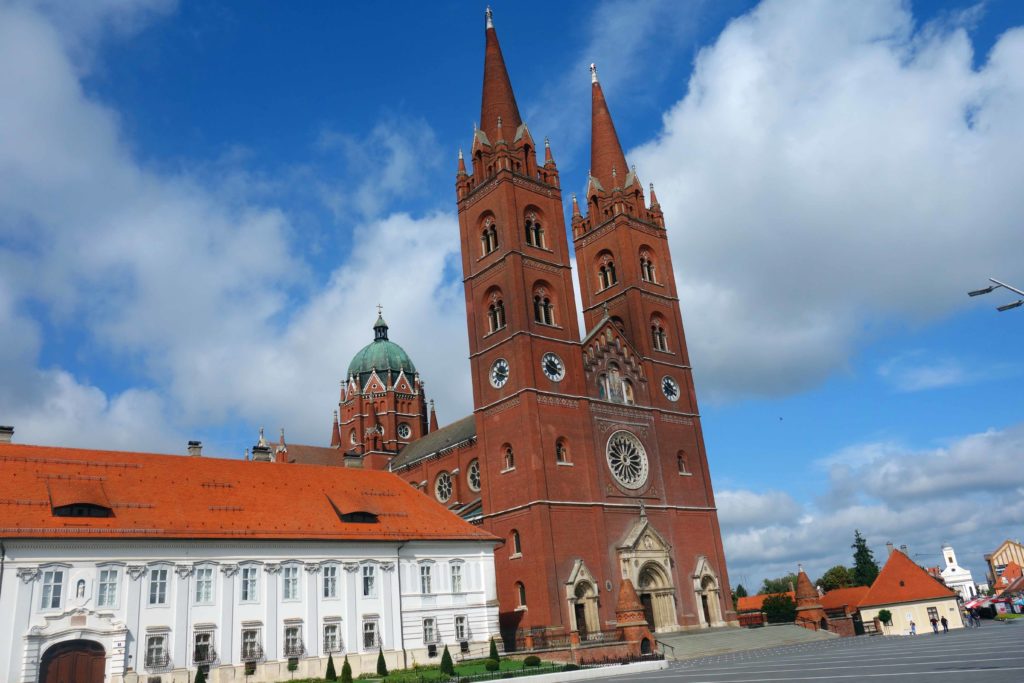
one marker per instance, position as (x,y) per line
(124,567)
(957,577)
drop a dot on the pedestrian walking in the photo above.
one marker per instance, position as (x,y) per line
(935,625)
(945,624)
(913,628)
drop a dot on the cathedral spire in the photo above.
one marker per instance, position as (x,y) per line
(498,99)
(606,157)
(335,431)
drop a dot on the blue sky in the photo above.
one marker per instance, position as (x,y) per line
(201,202)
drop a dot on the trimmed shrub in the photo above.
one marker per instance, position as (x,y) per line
(492,665)
(346,671)
(885,616)
(331,674)
(494,651)
(571,667)
(382,666)
(200,677)
(532,660)
(447,665)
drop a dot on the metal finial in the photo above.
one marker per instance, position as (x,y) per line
(380,310)
(593,73)
(547,143)
(652,187)
(633,168)
(460,152)
(490,17)
(574,196)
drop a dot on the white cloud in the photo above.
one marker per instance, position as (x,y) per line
(909,373)
(832,167)
(199,294)
(969,493)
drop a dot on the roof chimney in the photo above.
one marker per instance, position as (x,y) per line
(195,447)
(6,434)
(890,547)
(903,549)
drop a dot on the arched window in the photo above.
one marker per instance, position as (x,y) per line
(658,337)
(521,593)
(473,476)
(489,237)
(496,315)
(534,233)
(681,462)
(510,458)
(647,268)
(517,545)
(602,387)
(543,309)
(627,392)
(612,277)
(561,451)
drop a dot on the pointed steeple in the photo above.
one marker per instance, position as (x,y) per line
(335,432)
(548,159)
(606,157)
(462,164)
(575,208)
(433,417)
(654,198)
(498,99)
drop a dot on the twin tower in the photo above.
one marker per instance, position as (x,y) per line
(589,446)
(584,452)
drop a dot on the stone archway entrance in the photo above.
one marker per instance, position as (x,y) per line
(75,661)
(708,597)
(657,596)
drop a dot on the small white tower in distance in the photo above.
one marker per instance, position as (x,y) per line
(955,576)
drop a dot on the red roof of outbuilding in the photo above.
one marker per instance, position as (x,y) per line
(844,597)
(754,603)
(173,496)
(903,581)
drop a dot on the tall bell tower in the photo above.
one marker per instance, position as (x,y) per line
(588,455)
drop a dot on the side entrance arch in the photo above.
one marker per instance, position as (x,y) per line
(654,586)
(74,661)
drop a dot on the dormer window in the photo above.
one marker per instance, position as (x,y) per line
(82,510)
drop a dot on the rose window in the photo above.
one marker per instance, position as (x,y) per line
(443,487)
(627,460)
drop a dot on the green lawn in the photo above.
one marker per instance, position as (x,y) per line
(433,673)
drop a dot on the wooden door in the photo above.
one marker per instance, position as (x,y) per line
(79,661)
(648,603)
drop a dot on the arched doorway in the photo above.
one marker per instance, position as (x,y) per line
(76,661)
(585,609)
(656,596)
(709,601)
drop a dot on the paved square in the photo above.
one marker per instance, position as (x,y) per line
(993,653)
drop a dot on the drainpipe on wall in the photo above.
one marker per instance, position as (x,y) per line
(401,611)
(3,561)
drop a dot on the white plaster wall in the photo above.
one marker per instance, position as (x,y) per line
(902,614)
(122,629)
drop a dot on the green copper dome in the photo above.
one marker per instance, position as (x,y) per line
(380,355)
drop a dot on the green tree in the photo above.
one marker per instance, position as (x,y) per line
(331,674)
(783,584)
(885,616)
(346,671)
(865,569)
(779,609)
(836,577)
(741,592)
(494,651)
(447,665)
(382,666)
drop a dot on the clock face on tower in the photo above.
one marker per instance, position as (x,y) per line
(554,368)
(670,388)
(499,373)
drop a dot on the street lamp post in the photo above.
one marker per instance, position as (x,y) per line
(996,284)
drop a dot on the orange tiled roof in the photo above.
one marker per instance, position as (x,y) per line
(754,603)
(1011,572)
(903,581)
(844,597)
(176,496)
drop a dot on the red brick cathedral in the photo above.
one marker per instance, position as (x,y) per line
(583,452)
